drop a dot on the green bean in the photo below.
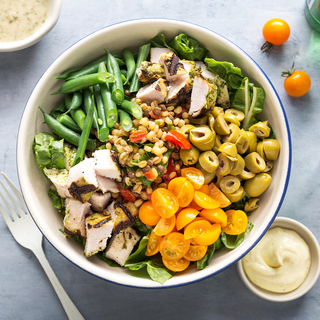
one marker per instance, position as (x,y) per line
(88,101)
(130,63)
(85,135)
(65,133)
(56,112)
(123,72)
(68,122)
(86,81)
(75,102)
(91,67)
(78,115)
(125,120)
(123,78)
(142,56)
(132,108)
(117,85)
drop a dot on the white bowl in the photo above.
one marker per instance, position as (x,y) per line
(310,239)
(53,16)
(134,34)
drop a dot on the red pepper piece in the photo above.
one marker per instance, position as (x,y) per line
(171,168)
(127,195)
(150,175)
(138,135)
(178,139)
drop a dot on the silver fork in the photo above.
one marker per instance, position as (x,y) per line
(28,235)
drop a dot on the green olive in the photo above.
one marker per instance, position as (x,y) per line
(271,148)
(252,141)
(235,196)
(238,166)
(254,162)
(199,120)
(218,179)
(220,126)
(237,113)
(251,205)
(246,175)
(261,129)
(225,165)
(269,165)
(257,185)
(217,111)
(242,143)
(230,118)
(209,161)
(234,133)
(189,156)
(208,177)
(184,130)
(202,137)
(229,184)
(260,150)
(230,150)
(211,121)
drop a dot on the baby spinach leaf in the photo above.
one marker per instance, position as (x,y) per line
(204,262)
(139,254)
(159,41)
(140,227)
(238,205)
(145,182)
(110,262)
(57,201)
(232,242)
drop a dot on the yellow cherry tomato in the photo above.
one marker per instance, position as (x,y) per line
(194,175)
(196,252)
(148,215)
(297,83)
(174,246)
(237,222)
(182,189)
(165,226)
(164,202)
(216,194)
(153,244)
(185,216)
(276,31)
(210,235)
(176,265)
(215,216)
(205,201)
(196,228)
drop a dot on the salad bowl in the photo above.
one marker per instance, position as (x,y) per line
(133,34)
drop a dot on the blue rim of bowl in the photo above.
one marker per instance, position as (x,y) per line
(287,176)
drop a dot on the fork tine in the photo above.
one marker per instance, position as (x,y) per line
(6,217)
(15,191)
(8,205)
(13,201)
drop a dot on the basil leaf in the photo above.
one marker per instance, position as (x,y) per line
(140,227)
(202,263)
(232,242)
(139,254)
(158,273)
(159,41)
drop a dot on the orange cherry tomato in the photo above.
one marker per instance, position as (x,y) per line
(196,228)
(176,265)
(174,246)
(153,244)
(164,202)
(297,83)
(148,215)
(165,226)
(237,222)
(215,216)
(182,189)
(185,216)
(205,189)
(194,205)
(195,219)
(196,252)
(218,195)
(276,31)
(205,201)
(194,175)
(210,235)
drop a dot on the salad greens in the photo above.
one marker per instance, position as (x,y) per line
(232,242)
(204,262)
(57,201)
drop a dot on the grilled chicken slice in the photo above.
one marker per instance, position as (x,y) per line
(105,164)
(110,209)
(155,54)
(59,177)
(173,67)
(75,219)
(106,184)
(82,180)
(154,91)
(121,245)
(69,155)
(98,228)
(99,201)
(150,72)
(179,91)
(203,96)
(124,215)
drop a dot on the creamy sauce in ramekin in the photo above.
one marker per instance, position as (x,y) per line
(279,262)
(19,19)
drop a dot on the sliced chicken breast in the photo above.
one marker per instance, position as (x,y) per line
(204,71)
(75,219)
(124,215)
(121,245)
(59,177)
(150,72)
(99,201)
(179,91)
(98,229)
(105,164)
(154,91)
(106,184)
(155,54)
(173,67)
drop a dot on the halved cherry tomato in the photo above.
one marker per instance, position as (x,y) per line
(150,175)
(205,189)
(164,202)
(215,216)
(195,219)
(153,244)
(170,168)
(178,139)
(138,135)
(148,215)
(182,189)
(216,194)
(196,228)
(165,226)
(194,175)
(196,252)
(194,205)
(237,222)
(210,236)
(204,201)
(185,216)
(127,195)
(174,246)
(176,265)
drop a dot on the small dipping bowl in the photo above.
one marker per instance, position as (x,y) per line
(310,280)
(52,18)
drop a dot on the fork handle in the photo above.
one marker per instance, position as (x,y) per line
(70,309)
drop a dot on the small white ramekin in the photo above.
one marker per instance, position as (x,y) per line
(310,239)
(53,16)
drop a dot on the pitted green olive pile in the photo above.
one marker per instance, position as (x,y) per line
(237,161)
